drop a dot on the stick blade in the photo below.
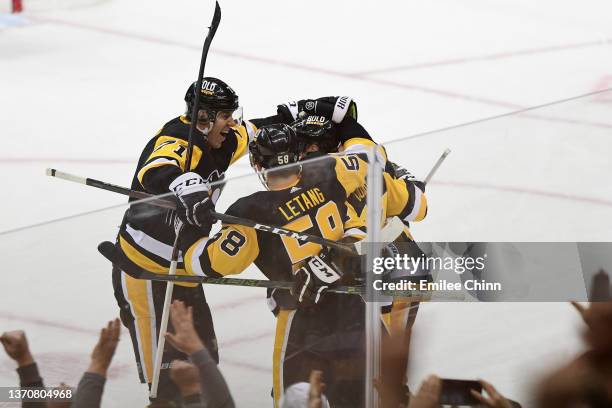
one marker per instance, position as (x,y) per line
(392,229)
(389,233)
(110,252)
(107,249)
(216,18)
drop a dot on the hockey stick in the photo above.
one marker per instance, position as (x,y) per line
(436,166)
(175,250)
(392,229)
(118,258)
(140,195)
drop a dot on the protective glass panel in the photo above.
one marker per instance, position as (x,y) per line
(537,176)
(528,195)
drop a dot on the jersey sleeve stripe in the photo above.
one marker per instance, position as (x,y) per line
(411,201)
(422,212)
(158,162)
(193,255)
(415,211)
(355,233)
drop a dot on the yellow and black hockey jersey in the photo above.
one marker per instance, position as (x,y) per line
(355,139)
(147,232)
(410,204)
(316,204)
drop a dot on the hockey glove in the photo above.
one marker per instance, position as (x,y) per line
(194,205)
(334,108)
(400,172)
(314,278)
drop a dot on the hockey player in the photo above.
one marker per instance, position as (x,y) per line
(312,330)
(320,136)
(147,233)
(329,125)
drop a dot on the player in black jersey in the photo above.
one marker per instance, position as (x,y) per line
(147,233)
(314,329)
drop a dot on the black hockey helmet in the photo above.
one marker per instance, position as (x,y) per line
(317,130)
(273,146)
(215,96)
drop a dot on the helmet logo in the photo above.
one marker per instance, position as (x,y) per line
(208,88)
(316,120)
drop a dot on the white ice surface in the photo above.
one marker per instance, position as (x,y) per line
(83,88)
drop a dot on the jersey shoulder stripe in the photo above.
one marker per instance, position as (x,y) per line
(361,145)
(169,151)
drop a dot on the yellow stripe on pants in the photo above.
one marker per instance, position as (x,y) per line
(138,293)
(283,326)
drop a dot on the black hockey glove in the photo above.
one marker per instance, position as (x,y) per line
(193,201)
(334,108)
(400,172)
(314,278)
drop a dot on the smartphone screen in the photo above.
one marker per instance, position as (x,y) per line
(457,392)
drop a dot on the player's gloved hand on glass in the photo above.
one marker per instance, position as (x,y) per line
(194,204)
(314,278)
(335,108)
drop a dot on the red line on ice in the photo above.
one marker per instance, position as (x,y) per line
(522,190)
(358,77)
(490,57)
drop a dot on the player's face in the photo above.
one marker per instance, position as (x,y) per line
(220,128)
(203,124)
(311,148)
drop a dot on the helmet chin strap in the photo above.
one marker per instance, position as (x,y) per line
(207,129)
(264,180)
